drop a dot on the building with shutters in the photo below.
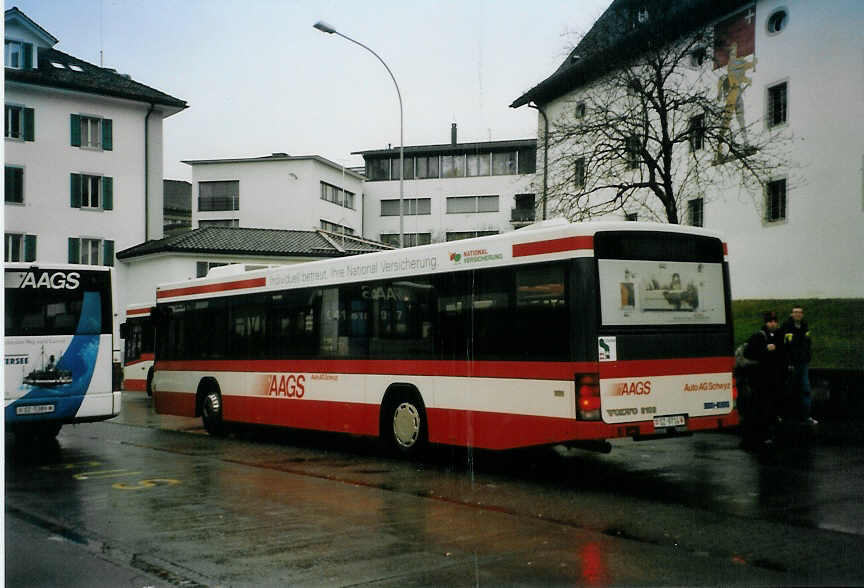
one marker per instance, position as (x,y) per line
(83,154)
(797,67)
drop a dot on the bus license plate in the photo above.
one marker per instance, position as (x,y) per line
(675,420)
(34,409)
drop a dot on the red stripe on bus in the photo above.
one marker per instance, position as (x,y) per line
(553,246)
(488,430)
(135,385)
(208,288)
(526,370)
(534,370)
(137,311)
(665,367)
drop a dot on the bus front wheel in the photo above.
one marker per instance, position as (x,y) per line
(404,425)
(211,412)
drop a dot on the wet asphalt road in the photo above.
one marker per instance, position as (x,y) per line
(146,500)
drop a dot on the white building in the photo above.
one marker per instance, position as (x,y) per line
(801,235)
(277,192)
(450,191)
(83,155)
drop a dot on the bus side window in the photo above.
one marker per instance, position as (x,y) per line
(541,315)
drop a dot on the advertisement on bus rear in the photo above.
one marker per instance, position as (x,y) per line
(661,292)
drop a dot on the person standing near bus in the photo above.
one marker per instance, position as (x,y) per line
(768,378)
(797,345)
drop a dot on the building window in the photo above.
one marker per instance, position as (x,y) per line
(777,21)
(427,167)
(777,105)
(527,160)
(524,211)
(219,196)
(336,228)
(14,184)
(18,55)
(579,173)
(775,201)
(92,192)
(378,169)
(413,206)
(579,111)
(411,239)
(453,166)
(631,149)
(91,251)
(471,204)
(91,132)
(19,123)
(504,163)
(697,132)
(337,195)
(479,164)
(20,247)
(459,235)
(696,212)
(219,222)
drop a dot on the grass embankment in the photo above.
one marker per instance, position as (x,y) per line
(836,327)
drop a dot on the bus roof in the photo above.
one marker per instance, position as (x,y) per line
(528,245)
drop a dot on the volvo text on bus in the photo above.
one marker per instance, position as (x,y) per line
(567,334)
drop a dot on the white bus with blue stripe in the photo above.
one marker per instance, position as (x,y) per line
(58,347)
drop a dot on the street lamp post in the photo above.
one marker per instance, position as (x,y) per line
(325,28)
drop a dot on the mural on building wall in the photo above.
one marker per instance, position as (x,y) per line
(734,40)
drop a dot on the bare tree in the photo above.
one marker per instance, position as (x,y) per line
(659,127)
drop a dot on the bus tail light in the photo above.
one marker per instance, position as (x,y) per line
(734,392)
(588,397)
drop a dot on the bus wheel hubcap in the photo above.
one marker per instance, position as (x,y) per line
(406,424)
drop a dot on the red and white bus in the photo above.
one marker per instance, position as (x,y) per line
(138,333)
(570,334)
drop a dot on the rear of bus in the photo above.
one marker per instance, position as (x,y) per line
(664,335)
(58,347)
(138,335)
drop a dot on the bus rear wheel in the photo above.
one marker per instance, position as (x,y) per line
(211,412)
(404,424)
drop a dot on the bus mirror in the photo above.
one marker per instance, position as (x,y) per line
(124,330)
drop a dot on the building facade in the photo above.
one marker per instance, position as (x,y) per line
(450,191)
(798,68)
(83,155)
(277,192)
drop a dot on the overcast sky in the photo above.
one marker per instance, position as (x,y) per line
(259,79)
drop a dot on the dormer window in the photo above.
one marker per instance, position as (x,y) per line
(18,55)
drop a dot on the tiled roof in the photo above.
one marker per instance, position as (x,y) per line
(91,79)
(614,37)
(256,242)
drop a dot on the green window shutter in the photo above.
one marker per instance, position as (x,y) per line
(108,252)
(107,134)
(29,247)
(28,55)
(74,250)
(107,193)
(29,124)
(75,130)
(75,190)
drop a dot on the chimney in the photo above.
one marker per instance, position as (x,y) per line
(453,134)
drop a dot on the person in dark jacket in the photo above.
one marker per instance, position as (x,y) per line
(797,346)
(767,382)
